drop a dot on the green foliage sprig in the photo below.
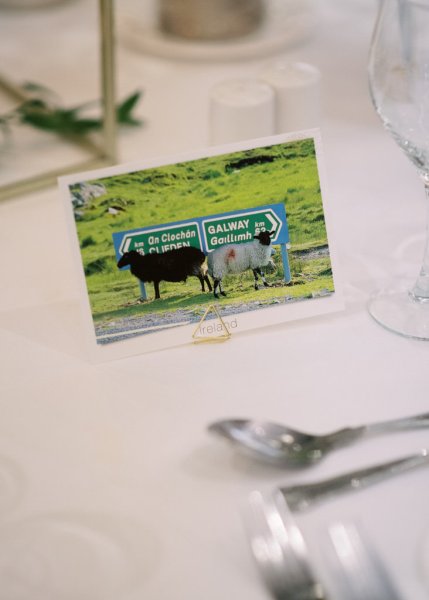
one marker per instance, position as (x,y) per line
(41,110)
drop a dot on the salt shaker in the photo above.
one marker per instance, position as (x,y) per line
(241,109)
(297,94)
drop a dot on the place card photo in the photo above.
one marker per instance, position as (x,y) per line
(237,235)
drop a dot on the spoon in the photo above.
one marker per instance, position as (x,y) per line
(282,445)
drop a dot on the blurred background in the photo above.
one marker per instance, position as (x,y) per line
(193,69)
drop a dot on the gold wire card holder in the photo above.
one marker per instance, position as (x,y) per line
(216,328)
(31,156)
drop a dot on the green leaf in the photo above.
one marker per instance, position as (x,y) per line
(43,115)
(47,121)
(86,125)
(37,88)
(31,105)
(123,111)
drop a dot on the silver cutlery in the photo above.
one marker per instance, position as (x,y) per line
(302,496)
(278,444)
(348,569)
(280,550)
(355,569)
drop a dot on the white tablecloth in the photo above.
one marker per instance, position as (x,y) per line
(110,487)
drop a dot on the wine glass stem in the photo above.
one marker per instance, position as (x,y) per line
(420,291)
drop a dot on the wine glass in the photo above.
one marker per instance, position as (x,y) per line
(399,84)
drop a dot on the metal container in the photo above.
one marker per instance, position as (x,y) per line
(210,19)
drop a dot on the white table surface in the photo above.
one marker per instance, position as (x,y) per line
(110,487)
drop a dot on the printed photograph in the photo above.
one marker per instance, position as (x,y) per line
(244,231)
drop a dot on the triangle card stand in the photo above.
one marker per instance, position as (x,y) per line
(223,335)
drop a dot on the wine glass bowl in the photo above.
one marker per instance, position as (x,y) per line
(398,72)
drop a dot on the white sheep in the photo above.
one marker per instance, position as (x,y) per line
(236,258)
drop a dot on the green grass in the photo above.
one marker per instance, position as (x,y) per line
(199,188)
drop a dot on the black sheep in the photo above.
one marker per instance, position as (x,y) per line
(173,265)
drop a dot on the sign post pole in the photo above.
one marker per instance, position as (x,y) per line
(285,260)
(143,292)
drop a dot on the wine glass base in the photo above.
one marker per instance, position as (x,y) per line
(398,312)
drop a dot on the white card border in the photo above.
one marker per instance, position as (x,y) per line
(182,335)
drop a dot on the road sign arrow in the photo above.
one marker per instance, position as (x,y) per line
(274,222)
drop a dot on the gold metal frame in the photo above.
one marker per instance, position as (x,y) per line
(103,154)
(221,337)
